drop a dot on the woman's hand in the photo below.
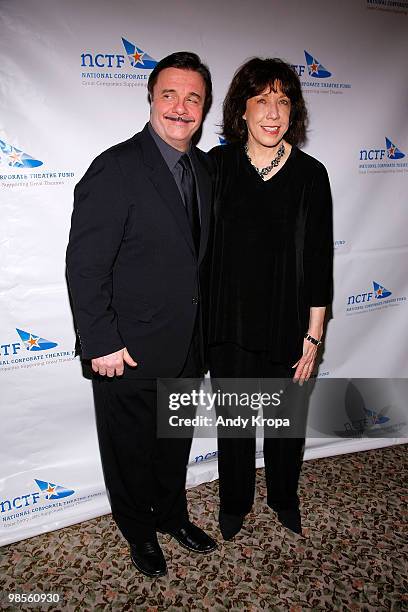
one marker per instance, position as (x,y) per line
(304,367)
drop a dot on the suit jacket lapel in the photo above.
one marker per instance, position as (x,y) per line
(205,191)
(165,184)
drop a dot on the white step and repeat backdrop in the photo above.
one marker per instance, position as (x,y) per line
(73,82)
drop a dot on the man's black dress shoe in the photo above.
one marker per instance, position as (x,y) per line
(193,538)
(230,524)
(148,558)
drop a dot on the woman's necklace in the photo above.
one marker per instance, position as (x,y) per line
(275,162)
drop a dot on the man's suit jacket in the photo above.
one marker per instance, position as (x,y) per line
(134,277)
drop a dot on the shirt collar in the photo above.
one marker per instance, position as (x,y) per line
(170,154)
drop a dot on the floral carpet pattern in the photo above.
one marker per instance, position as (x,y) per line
(352,555)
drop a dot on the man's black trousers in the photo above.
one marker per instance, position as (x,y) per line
(145,476)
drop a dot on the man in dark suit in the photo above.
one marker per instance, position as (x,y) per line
(135,264)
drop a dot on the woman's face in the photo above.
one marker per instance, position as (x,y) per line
(267,116)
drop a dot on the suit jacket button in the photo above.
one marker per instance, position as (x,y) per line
(195,300)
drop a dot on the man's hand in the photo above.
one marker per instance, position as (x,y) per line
(112,364)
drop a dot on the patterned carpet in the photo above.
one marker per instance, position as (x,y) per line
(352,556)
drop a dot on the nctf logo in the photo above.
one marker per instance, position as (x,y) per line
(379,292)
(30,341)
(48,491)
(377,299)
(17,169)
(317,73)
(136,56)
(376,419)
(16,158)
(53,491)
(382,159)
(314,67)
(130,68)
(31,350)
(390,149)
(10,352)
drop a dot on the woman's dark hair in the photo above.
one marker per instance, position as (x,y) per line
(185,60)
(251,79)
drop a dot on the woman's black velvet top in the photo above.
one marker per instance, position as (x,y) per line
(272,254)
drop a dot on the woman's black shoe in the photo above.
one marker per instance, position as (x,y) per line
(230,524)
(291,519)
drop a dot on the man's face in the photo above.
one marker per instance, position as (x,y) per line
(176,111)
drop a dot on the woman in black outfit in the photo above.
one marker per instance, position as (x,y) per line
(272,277)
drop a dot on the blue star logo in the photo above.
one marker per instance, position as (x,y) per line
(16,158)
(315,68)
(137,57)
